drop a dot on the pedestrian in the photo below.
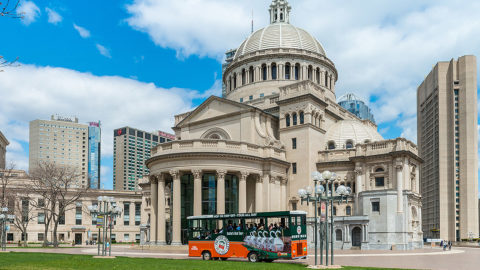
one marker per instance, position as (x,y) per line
(449,245)
(441,243)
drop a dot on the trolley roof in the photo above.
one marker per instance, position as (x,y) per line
(250,215)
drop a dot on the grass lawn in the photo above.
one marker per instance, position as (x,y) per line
(21,261)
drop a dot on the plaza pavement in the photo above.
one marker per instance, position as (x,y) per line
(428,258)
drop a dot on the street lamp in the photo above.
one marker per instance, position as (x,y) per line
(324,195)
(108,211)
(4,218)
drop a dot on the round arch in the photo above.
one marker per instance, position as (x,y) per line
(216,134)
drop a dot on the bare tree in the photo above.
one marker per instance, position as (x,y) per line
(9,9)
(24,212)
(60,189)
(5,179)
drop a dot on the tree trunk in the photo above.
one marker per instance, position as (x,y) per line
(55,239)
(25,237)
(45,238)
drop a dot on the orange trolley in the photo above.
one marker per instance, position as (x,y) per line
(265,236)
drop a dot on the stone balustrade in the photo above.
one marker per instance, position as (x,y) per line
(218,146)
(369,149)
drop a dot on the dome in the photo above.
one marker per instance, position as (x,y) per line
(280,35)
(353,131)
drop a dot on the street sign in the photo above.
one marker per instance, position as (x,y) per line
(99,221)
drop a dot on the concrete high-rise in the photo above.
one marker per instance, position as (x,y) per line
(94,144)
(448,144)
(60,140)
(131,148)
(3,150)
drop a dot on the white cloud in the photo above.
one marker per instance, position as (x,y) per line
(29,11)
(380,48)
(84,33)
(53,16)
(116,101)
(103,51)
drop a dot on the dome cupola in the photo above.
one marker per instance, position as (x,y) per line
(280,11)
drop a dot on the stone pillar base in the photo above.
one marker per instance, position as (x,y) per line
(176,244)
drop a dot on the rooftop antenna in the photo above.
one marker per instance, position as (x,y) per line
(252,20)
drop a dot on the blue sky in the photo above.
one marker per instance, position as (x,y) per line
(140,62)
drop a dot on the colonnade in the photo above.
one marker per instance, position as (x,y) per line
(270,195)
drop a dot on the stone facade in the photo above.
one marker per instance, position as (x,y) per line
(3,150)
(242,154)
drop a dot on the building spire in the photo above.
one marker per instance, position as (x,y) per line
(280,11)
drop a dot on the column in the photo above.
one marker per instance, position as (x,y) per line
(399,168)
(358,189)
(266,192)
(283,194)
(153,211)
(417,179)
(161,210)
(242,192)
(176,219)
(221,191)
(258,193)
(197,192)
(273,194)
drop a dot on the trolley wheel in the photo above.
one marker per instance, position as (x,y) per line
(253,257)
(223,259)
(206,256)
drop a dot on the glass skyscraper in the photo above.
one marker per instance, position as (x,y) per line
(356,106)
(94,142)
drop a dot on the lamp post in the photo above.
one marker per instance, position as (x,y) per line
(4,218)
(325,196)
(108,209)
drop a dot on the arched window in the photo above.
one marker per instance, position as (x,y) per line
(251,75)
(214,137)
(281,17)
(366,141)
(302,118)
(338,235)
(230,83)
(331,145)
(287,71)
(310,73)
(274,71)
(379,169)
(326,78)
(318,75)
(244,74)
(294,118)
(334,211)
(349,144)
(287,120)
(348,211)
(234,80)
(297,72)
(264,72)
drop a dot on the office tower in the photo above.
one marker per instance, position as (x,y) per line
(447,140)
(94,151)
(60,140)
(131,148)
(3,150)
(357,106)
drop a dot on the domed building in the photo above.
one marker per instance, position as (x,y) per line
(278,121)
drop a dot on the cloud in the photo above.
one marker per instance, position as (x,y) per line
(84,33)
(380,48)
(114,100)
(53,16)
(29,11)
(103,51)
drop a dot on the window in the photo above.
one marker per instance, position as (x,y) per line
(262,95)
(138,207)
(297,71)
(331,145)
(41,218)
(250,75)
(302,118)
(294,168)
(349,144)
(294,206)
(137,238)
(126,213)
(126,237)
(264,72)
(287,120)
(243,77)
(334,211)
(287,71)
(274,71)
(294,118)
(41,203)
(10,237)
(40,237)
(379,181)
(376,207)
(234,80)
(250,97)
(348,211)
(294,143)
(338,235)
(78,215)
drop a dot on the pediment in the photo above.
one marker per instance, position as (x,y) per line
(213,107)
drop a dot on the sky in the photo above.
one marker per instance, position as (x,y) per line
(140,62)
